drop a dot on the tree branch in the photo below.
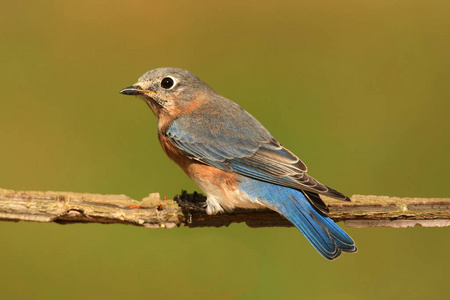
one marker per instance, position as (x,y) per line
(152,212)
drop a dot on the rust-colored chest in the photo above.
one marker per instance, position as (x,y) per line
(173,153)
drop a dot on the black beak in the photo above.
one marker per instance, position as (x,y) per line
(132,90)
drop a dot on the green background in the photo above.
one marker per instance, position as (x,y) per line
(358,89)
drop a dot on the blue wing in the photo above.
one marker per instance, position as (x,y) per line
(247,148)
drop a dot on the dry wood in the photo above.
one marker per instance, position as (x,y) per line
(152,212)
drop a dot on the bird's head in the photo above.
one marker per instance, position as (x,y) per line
(168,91)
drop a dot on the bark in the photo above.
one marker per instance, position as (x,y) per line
(154,212)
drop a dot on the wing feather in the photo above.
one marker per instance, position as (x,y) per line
(260,157)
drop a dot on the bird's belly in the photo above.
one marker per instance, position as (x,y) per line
(220,198)
(222,190)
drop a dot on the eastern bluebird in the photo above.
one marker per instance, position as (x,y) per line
(234,159)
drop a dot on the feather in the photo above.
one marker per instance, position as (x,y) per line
(215,140)
(327,237)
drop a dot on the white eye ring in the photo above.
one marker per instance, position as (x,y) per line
(168,82)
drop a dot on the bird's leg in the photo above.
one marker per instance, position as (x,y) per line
(194,201)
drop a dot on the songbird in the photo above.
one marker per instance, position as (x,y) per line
(234,159)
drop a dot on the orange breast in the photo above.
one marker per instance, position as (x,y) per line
(174,154)
(197,170)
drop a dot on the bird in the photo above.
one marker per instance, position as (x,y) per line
(234,159)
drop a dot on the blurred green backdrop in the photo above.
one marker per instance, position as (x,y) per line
(358,89)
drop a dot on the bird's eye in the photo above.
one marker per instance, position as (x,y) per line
(167,83)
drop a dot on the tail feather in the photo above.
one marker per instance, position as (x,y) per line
(327,237)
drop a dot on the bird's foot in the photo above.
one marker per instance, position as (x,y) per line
(194,201)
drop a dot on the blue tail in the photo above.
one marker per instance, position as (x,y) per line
(328,238)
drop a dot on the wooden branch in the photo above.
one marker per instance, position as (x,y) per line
(152,212)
